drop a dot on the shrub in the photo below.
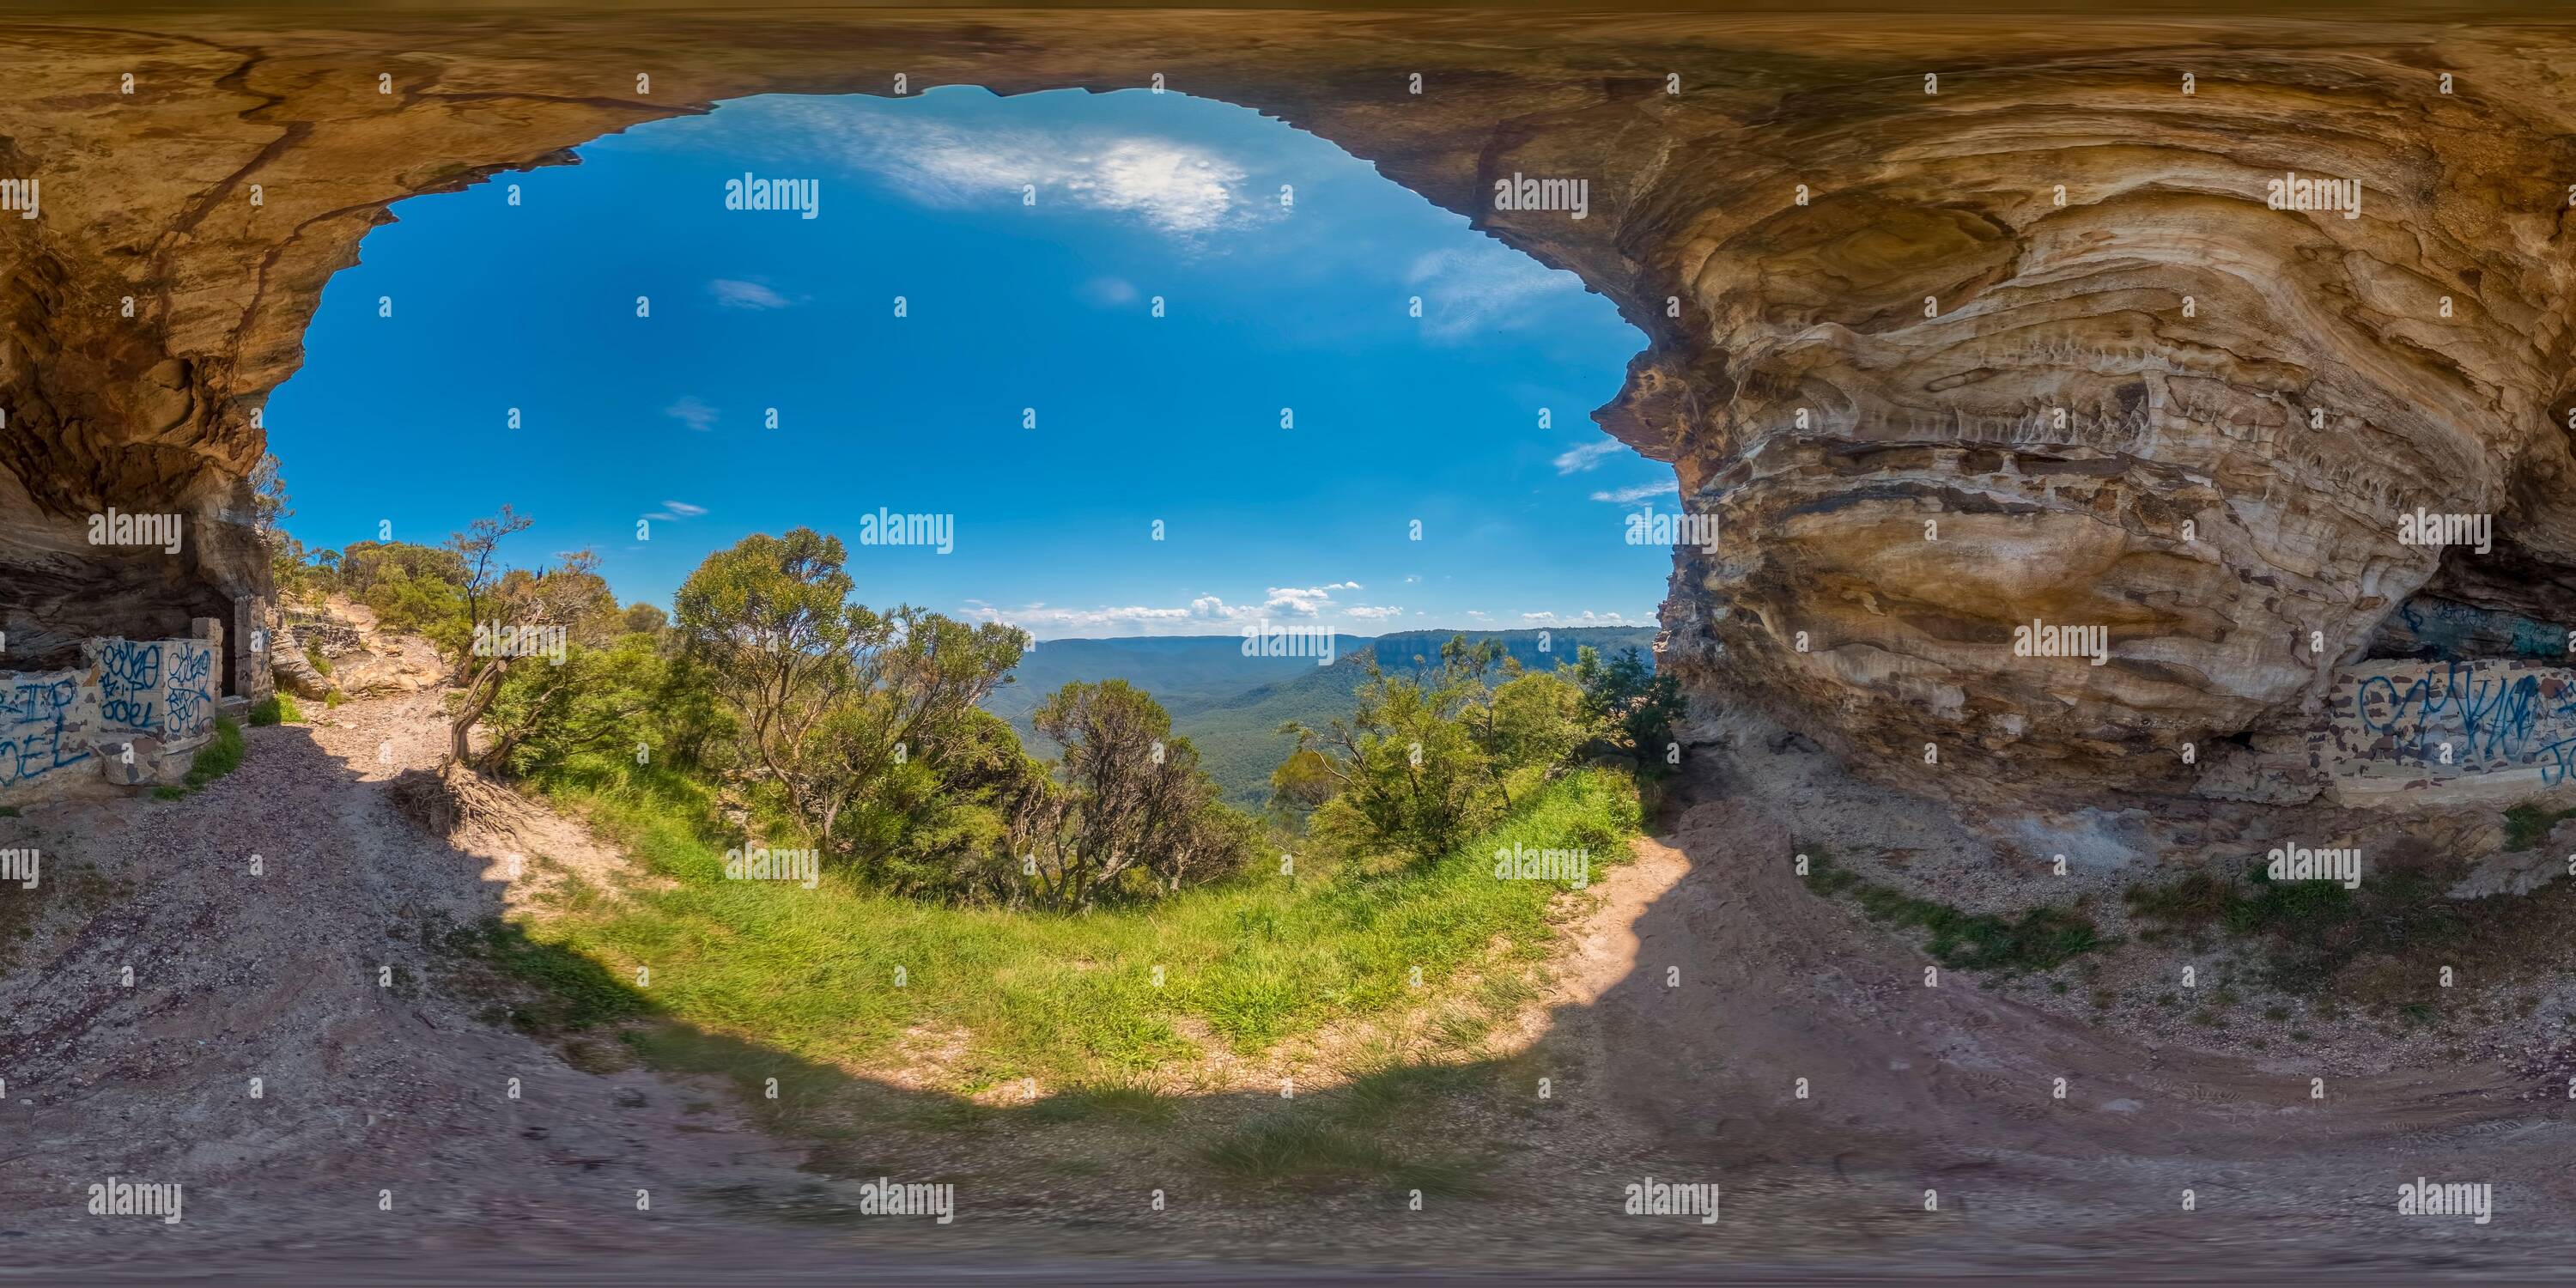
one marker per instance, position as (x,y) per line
(1634,707)
(2527,825)
(2196,900)
(2317,928)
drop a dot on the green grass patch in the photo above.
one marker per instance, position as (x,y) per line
(2527,825)
(564,993)
(320,663)
(1340,1136)
(1295,1143)
(1129,1101)
(2038,939)
(277,708)
(217,758)
(989,996)
(2317,929)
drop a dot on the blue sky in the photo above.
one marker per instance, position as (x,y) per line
(1010,307)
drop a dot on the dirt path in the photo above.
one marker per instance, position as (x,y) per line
(1952,1088)
(278,977)
(369,1088)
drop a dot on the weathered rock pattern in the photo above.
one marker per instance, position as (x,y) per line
(293,670)
(2032,349)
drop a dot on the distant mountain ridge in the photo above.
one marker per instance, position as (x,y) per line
(1230,706)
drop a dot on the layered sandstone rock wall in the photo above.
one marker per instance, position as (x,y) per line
(2030,348)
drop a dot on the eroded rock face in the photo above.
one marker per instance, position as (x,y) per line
(2044,315)
(2144,401)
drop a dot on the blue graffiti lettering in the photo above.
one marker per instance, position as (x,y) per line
(189,696)
(31,729)
(2470,717)
(129,673)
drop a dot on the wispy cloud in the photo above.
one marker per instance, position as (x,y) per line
(1310,601)
(1206,615)
(1488,288)
(1640,492)
(1588,456)
(692,413)
(1180,188)
(745,295)
(1586,618)
(1203,615)
(674,511)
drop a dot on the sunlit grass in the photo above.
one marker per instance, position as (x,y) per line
(217,758)
(1071,1000)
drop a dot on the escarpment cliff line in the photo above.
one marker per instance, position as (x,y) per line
(1958,325)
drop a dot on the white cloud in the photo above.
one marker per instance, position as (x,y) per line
(684,509)
(1490,287)
(1576,460)
(692,413)
(1309,601)
(1587,618)
(1178,188)
(745,295)
(1064,619)
(1641,492)
(1204,615)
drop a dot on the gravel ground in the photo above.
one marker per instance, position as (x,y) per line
(370,1087)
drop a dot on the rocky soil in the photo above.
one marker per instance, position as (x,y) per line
(370,1087)
(2139,397)
(369,1081)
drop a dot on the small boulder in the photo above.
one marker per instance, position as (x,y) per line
(129,762)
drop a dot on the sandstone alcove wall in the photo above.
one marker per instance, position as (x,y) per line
(2032,348)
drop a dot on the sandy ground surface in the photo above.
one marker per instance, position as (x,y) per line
(1700,985)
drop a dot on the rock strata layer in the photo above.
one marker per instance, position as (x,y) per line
(2023,346)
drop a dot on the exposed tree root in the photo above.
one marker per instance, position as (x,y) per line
(452,800)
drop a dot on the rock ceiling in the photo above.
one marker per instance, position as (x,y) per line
(2033,348)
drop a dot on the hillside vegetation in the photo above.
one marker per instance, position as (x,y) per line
(839,854)
(848,976)
(1232,707)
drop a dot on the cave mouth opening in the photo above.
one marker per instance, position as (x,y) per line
(2505,602)
(1163,366)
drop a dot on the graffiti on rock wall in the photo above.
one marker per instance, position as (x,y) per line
(160,687)
(2469,716)
(50,720)
(191,692)
(34,709)
(129,685)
